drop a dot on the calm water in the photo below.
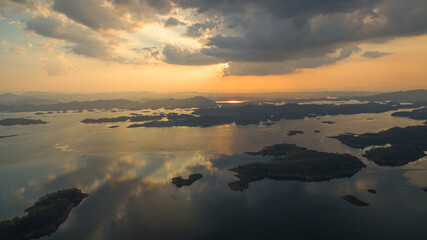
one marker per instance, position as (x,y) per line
(128,174)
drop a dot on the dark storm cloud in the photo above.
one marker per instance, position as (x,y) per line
(260,37)
(96,15)
(291,30)
(280,8)
(181,56)
(286,67)
(374,54)
(198,29)
(173,22)
(90,13)
(20,1)
(84,41)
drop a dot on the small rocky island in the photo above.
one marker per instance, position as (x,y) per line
(290,162)
(179,181)
(7,136)
(372,191)
(20,121)
(44,217)
(295,132)
(355,201)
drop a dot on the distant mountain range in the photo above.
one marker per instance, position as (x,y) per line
(14,99)
(198,102)
(28,102)
(195,102)
(412,95)
(52,97)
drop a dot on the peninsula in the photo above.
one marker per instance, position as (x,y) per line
(406,144)
(44,217)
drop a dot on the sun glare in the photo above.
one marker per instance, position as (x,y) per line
(231,101)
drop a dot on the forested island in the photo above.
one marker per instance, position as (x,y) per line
(20,121)
(44,217)
(134,118)
(294,132)
(291,162)
(406,144)
(256,114)
(355,201)
(417,114)
(179,181)
(7,136)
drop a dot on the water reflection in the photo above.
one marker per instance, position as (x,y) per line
(128,172)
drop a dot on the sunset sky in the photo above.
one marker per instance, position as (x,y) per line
(212,45)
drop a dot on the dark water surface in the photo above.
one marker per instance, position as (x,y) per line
(128,174)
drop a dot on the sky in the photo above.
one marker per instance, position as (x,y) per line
(212,45)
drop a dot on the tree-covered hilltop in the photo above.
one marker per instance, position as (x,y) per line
(396,155)
(44,217)
(407,144)
(292,162)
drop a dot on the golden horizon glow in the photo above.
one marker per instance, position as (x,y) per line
(403,69)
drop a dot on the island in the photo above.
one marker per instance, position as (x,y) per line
(417,114)
(372,191)
(295,132)
(44,217)
(394,147)
(106,120)
(7,136)
(268,124)
(134,118)
(355,201)
(179,181)
(20,121)
(328,122)
(291,162)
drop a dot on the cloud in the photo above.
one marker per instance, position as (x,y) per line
(113,14)
(177,55)
(149,54)
(13,48)
(53,60)
(173,22)
(285,67)
(198,29)
(259,37)
(84,41)
(57,64)
(374,54)
(17,49)
(92,13)
(267,32)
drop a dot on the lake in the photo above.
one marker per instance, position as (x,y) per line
(128,172)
